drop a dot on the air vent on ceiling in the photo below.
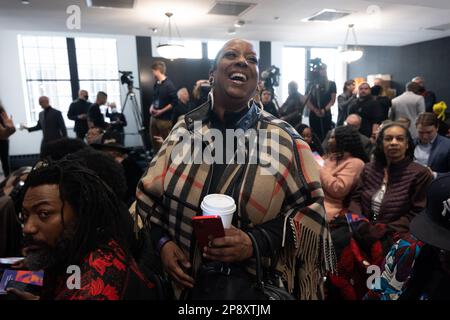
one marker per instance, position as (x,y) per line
(442,27)
(121,4)
(327,15)
(227,8)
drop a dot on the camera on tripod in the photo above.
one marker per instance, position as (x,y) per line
(271,77)
(127,78)
(314,68)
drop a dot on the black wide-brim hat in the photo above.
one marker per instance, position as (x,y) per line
(432,225)
(111,146)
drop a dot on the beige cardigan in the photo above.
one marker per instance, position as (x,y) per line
(338,180)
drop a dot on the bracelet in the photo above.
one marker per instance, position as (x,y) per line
(161,244)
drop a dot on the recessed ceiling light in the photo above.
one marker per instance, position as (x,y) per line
(154,30)
(231,31)
(25,2)
(239,23)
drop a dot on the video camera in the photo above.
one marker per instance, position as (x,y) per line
(127,78)
(271,77)
(314,68)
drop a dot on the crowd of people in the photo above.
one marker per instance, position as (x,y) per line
(372,189)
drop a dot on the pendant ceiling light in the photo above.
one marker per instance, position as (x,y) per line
(351,54)
(170,49)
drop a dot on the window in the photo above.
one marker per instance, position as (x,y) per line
(293,70)
(46,62)
(98,68)
(335,70)
(214,47)
(46,69)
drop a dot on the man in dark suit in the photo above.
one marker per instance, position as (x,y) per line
(95,116)
(78,112)
(432,150)
(50,122)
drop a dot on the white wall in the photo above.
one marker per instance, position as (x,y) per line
(13,96)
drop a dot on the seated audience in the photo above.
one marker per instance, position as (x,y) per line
(340,173)
(391,191)
(432,150)
(392,187)
(71,217)
(310,138)
(94,135)
(418,268)
(268,105)
(355,121)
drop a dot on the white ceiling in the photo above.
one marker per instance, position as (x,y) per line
(399,22)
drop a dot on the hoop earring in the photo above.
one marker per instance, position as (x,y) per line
(250,103)
(211,98)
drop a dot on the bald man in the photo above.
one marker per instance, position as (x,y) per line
(50,122)
(78,112)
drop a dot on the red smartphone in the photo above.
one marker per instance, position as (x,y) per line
(207,228)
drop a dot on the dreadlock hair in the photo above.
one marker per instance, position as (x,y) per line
(96,206)
(378,153)
(58,149)
(348,140)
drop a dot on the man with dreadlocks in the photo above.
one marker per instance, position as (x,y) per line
(72,218)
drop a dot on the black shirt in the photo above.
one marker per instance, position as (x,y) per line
(76,108)
(114,117)
(164,93)
(270,108)
(324,95)
(370,112)
(180,109)
(96,116)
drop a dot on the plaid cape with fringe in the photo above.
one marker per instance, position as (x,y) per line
(169,195)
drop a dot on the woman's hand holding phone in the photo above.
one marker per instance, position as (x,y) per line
(235,246)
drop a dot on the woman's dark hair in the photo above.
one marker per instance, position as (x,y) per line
(347,83)
(378,153)
(97,208)
(348,140)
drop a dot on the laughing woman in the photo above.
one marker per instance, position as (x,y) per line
(280,201)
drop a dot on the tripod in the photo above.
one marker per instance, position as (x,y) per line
(137,116)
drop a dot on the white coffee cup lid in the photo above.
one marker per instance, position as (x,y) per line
(220,203)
